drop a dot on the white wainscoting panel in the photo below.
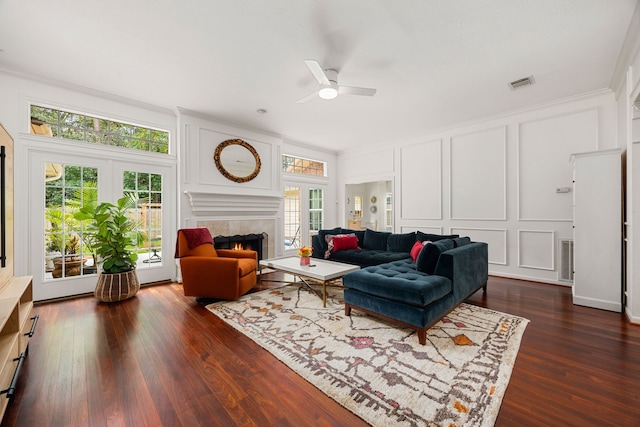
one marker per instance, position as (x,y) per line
(536,249)
(544,150)
(478,175)
(496,238)
(421,174)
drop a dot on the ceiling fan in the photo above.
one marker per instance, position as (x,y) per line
(329,87)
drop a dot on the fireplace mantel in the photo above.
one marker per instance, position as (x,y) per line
(216,204)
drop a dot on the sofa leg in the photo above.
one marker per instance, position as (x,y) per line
(484,288)
(347,309)
(422,335)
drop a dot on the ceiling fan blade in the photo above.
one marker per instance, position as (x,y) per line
(307,98)
(352,90)
(317,72)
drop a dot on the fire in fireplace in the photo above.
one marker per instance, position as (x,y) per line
(254,242)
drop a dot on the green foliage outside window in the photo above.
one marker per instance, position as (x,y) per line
(79,127)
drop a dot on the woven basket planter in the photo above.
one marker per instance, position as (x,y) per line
(117,287)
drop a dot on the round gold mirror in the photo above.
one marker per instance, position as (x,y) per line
(237,160)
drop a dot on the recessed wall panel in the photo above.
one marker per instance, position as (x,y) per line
(495,238)
(544,150)
(536,249)
(379,163)
(421,174)
(208,174)
(478,186)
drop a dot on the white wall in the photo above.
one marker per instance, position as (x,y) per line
(206,195)
(494,180)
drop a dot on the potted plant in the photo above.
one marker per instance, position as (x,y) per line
(112,236)
(72,262)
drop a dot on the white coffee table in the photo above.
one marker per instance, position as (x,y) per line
(321,271)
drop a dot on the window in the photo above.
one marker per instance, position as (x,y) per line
(357,206)
(315,209)
(80,127)
(147,188)
(67,189)
(298,165)
(388,211)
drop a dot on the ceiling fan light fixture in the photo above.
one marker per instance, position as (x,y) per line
(328,92)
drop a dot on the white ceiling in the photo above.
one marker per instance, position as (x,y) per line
(434,62)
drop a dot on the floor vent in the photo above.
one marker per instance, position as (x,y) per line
(527,81)
(566,260)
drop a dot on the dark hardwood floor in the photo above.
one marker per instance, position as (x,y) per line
(163,359)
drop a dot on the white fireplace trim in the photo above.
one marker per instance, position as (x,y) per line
(208,204)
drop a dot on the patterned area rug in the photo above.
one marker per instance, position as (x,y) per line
(379,371)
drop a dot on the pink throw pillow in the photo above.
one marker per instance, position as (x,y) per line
(415,250)
(417,247)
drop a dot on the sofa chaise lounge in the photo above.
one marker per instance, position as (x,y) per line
(417,294)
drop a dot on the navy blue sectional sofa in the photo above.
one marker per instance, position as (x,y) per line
(417,294)
(375,247)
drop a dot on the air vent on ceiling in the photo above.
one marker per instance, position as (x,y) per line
(527,81)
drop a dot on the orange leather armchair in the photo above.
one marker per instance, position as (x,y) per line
(214,273)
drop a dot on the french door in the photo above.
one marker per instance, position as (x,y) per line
(61,262)
(303,214)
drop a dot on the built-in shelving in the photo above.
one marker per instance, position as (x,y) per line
(17,324)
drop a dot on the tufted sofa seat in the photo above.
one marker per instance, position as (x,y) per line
(400,281)
(404,293)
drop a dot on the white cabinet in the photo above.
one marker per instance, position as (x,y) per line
(597,221)
(16,328)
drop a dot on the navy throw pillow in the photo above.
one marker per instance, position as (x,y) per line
(428,256)
(434,237)
(375,240)
(401,242)
(461,241)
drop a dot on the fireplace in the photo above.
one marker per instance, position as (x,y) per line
(254,242)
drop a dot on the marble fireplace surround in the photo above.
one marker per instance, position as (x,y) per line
(232,227)
(236,214)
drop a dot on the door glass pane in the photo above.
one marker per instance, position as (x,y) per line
(147,188)
(67,189)
(315,209)
(291,217)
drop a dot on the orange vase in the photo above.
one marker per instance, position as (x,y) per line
(305,260)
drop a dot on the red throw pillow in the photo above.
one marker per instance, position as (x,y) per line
(415,250)
(342,243)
